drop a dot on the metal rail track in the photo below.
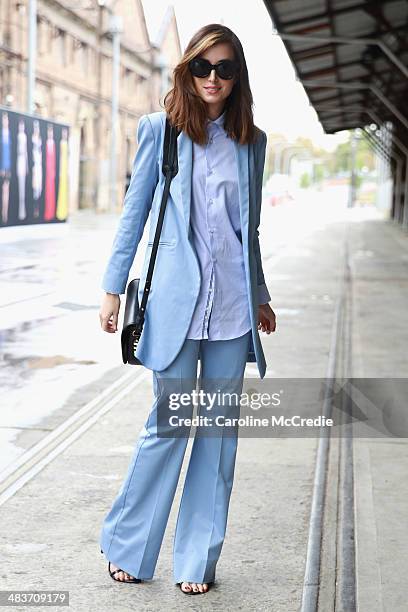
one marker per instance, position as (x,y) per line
(344,575)
(33,460)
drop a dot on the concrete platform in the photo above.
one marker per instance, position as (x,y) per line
(50,528)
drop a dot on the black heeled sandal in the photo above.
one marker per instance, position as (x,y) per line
(209,584)
(116,571)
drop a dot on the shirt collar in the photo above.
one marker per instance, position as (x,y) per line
(219,122)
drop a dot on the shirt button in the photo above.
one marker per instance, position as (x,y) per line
(211,139)
(210,201)
(210,172)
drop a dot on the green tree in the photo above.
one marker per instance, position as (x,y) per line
(305,180)
(318,173)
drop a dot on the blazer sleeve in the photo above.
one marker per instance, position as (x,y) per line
(136,208)
(263,293)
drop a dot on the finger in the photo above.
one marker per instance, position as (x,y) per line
(111,327)
(115,322)
(105,324)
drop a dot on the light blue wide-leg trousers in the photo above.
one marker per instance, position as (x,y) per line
(133,529)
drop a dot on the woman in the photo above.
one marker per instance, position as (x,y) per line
(208,298)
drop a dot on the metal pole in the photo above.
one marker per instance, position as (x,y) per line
(389,104)
(398,178)
(377,146)
(352,190)
(375,149)
(373,115)
(115,29)
(343,85)
(398,181)
(380,156)
(32,55)
(278,149)
(380,146)
(347,41)
(394,138)
(379,166)
(405,208)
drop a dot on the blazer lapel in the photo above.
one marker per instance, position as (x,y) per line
(241,153)
(180,187)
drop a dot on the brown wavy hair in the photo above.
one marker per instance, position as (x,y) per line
(188,111)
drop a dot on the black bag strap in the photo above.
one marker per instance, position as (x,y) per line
(169,169)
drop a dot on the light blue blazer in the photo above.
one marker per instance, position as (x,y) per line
(176,276)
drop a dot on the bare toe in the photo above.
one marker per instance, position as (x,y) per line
(186,587)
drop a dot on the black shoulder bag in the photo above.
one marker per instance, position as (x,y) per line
(134,316)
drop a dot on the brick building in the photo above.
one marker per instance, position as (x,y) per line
(74,81)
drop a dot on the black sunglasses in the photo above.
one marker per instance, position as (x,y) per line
(225,69)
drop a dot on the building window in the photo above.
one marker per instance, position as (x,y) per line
(80,54)
(84,57)
(72,50)
(128,80)
(93,60)
(49,36)
(62,46)
(141,89)
(39,35)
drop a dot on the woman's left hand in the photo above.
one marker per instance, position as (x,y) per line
(266,318)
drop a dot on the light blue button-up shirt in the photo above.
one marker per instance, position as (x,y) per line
(222,308)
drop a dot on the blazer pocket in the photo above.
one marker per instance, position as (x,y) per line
(166,243)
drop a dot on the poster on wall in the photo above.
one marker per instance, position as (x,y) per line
(34,177)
